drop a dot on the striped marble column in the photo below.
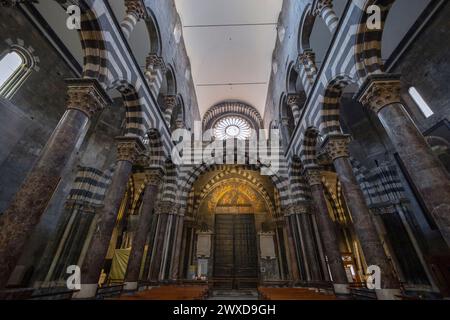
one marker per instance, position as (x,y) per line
(306,65)
(293,101)
(155,69)
(86,98)
(170,103)
(328,232)
(128,150)
(381,94)
(337,148)
(324,9)
(135,12)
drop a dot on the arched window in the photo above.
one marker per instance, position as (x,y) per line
(10,65)
(15,67)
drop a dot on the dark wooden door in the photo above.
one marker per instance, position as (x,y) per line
(235,254)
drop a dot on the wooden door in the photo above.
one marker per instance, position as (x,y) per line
(235,253)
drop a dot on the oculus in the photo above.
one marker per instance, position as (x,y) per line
(232,128)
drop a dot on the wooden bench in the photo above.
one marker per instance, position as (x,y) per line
(170,292)
(293,294)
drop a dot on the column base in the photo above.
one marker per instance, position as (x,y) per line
(88,291)
(341,288)
(130,286)
(387,294)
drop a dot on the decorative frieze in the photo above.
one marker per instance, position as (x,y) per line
(87,96)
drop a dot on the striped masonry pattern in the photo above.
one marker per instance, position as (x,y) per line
(354,54)
(90,185)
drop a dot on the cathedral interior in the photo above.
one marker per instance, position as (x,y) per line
(201,149)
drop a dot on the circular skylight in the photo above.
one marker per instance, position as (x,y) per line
(232,128)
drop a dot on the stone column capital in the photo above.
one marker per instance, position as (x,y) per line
(155,61)
(285,121)
(153,177)
(313,176)
(136,8)
(293,99)
(129,148)
(87,96)
(170,101)
(319,5)
(11,3)
(336,145)
(300,208)
(307,55)
(379,91)
(167,207)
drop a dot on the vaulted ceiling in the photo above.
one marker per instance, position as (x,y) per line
(230,45)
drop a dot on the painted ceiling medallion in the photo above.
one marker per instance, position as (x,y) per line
(232,128)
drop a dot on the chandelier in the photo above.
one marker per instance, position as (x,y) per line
(232,128)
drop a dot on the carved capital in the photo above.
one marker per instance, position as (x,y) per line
(300,208)
(170,102)
(153,177)
(12,3)
(167,207)
(313,176)
(136,8)
(319,5)
(86,95)
(129,149)
(155,61)
(336,145)
(379,91)
(307,57)
(293,99)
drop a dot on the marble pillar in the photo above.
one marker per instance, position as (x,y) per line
(324,9)
(163,210)
(337,147)
(176,257)
(381,94)
(170,103)
(135,10)
(153,180)
(292,258)
(303,212)
(328,232)
(128,149)
(294,101)
(155,70)
(306,66)
(85,99)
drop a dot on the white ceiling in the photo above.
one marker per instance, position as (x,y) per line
(230,45)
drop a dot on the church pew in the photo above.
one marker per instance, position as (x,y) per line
(170,292)
(293,294)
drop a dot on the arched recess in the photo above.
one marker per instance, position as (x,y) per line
(168,86)
(186,182)
(232,108)
(286,119)
(219,180)
(153,33)
(178,119)
(305,29)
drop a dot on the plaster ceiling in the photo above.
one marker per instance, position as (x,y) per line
(230,45)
